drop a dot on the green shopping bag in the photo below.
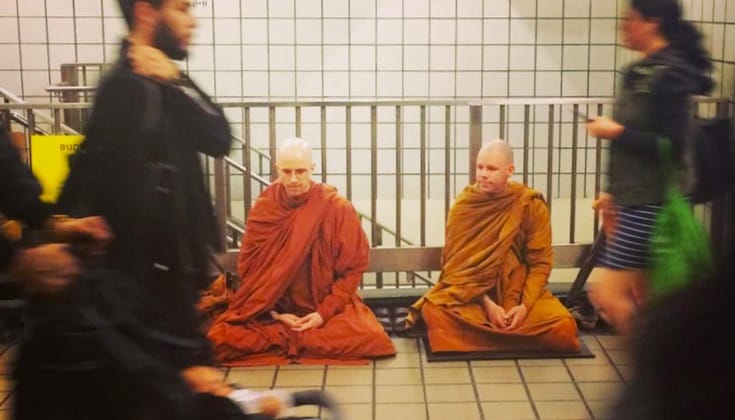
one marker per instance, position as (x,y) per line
(680,247)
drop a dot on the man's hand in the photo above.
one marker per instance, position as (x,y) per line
(307,322)
(46,269)
(515,316)
(151,62)
(206,379)
(609,212)
(289,319)
(495,313)
(604,128)
(92,232)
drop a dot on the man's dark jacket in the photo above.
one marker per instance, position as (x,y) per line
(19,194)
(140,168)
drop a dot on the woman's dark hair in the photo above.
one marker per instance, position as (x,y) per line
(126,7)
(681,34)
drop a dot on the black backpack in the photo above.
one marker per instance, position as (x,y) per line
(711,155)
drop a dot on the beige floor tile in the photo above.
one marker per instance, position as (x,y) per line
(591,341)
(545,374)
(401,360)
(309,378)
(594,373)
(611,342)
(600,359)
(508,410)
(620,357)
(595,391)
(305,411)
(296,366)
(357,411)
(447,376)
(399,394)
(445,365)
(627,371)
(562,410)
(497,375)
(401,411)
(540,362)
(405,345)
(408,376)
(601,409)
(454,411)
(6,383)
(564,391)
(362,394)
(249,377)
(349,377)
(502,392)
(366,366)
(450,393)
(493,363)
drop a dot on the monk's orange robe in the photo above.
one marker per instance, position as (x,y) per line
(499,246)
(300,256)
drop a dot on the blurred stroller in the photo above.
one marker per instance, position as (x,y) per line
(89,355)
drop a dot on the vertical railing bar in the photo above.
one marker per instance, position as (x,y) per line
(447,158)
(502,123)
(348,149)
(31,116)
(598,177)
(221,199)
(423,176)
(375,235)
(323,119)
(272,142)
(57,121)
(573,198)
(475,137)
(298,120)
(247,186)
(526,121)
(550,159)
(399,174)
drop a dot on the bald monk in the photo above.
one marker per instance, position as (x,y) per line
(491,295)
(300,264)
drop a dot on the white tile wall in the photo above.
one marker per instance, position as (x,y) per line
(32,30)
(33,8)
(479,47)
(11,57)
(9,30)
(8,8)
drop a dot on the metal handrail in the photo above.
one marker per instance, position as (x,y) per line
(15,102)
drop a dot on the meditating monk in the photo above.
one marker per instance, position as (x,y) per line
(301,260)
(491,295)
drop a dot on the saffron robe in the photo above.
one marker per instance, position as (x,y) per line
(499,246)
(300,256)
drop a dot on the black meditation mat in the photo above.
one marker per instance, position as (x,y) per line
(449,356)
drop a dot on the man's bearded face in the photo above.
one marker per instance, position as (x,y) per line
(165,40)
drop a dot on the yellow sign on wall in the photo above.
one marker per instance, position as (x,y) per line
(50,162)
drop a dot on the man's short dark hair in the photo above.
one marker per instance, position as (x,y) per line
(126,7)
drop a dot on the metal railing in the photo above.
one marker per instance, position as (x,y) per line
(402,163)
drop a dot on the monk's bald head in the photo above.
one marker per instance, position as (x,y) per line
(294,165)
(498,146)
(294,148)
(494,166)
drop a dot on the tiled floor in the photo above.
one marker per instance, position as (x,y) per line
(407,387)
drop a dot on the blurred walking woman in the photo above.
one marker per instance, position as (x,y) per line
(653,102)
